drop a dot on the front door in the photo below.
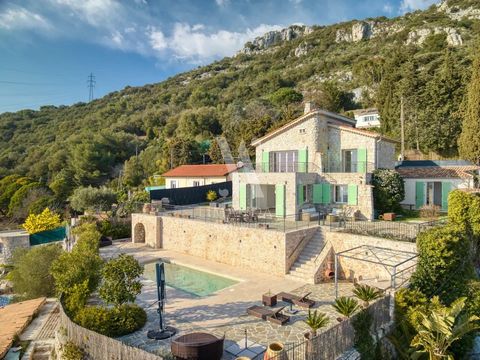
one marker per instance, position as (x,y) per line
(434,193)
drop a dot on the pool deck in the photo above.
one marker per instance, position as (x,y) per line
(224,312)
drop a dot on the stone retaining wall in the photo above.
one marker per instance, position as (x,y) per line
(355,269)
(261,250)
(10,241)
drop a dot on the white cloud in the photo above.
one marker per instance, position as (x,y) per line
(222,3)
(98,13)
(21,18)
(193,43)
(388,8)
(412,5)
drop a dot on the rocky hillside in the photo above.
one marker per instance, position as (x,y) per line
(423,57)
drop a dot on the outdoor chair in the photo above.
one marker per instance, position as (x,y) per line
(197,346)
(274,316)
(301,301)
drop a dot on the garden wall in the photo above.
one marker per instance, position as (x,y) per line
(98,346)
(261,250)
(355,269)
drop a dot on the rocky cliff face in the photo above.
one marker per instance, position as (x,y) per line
(273,38)
(417,37)
(457,13)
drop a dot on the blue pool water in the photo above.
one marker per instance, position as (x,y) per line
(190,280)
(4,300)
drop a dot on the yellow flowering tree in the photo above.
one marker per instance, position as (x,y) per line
(46,220)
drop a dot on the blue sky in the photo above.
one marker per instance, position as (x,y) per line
(49,47)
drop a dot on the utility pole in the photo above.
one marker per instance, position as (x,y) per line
(91,84)
(402,129)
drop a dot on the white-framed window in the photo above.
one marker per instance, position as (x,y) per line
(340,194)
(196,183)
(173,184)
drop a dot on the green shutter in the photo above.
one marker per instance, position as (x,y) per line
(303,160)
(362,160)
(446,188)
(419,194)
(317,193)
(265,161)
(243,196)
(300,195)
(280,200)
(326,193)
(352,194)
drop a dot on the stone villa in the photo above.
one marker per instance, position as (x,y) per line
(318,160)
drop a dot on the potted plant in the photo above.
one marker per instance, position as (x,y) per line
(366,294)
(211,197)
(315,320)
(275,351)
(346,306)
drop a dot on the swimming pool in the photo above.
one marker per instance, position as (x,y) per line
(4,300)
(192,281)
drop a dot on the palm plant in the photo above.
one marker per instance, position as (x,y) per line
(366,294)
(346,306)
(316,320)
(440,326)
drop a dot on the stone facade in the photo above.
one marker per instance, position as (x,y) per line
(354,269)
(10,241)
(324,136)
(145,229)
(267,251)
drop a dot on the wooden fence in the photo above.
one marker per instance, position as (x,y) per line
(101,347)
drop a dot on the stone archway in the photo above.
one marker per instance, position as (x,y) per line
(139,234)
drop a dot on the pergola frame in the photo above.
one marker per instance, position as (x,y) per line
(390,259)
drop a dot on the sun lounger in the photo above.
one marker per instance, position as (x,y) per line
(301,301)
(263,313)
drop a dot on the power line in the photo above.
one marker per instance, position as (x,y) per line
(91,85)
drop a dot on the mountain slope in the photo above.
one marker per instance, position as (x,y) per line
(423,56)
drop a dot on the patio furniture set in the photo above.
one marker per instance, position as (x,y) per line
(276,316)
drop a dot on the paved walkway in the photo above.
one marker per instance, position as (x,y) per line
(222,313)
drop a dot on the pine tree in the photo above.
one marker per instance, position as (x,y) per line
(469,141)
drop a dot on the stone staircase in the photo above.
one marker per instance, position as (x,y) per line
(310,259)
(42,351)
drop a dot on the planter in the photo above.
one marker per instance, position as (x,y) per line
(389,216)
(269,300)
(275,352)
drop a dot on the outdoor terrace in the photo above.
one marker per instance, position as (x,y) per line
(224,312)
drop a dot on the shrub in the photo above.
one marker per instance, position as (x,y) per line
(94,199)
(346,306)
(76,297)
(47,220)
(31,276)
(120,280)
(388,190)
(82,264)
(316,320)
(363,340)
(211,195)
(430,211)
(113,322)
(443,251)
(70,351)
(115,230)
(366,293)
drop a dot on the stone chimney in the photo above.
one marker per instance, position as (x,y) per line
(309,107)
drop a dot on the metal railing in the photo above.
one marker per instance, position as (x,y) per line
(361,167)
(285,167)
(393,230)
(311,167)
(250,218)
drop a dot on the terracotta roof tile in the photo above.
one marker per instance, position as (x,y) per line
(445,172)
(209,170)
(14,318)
